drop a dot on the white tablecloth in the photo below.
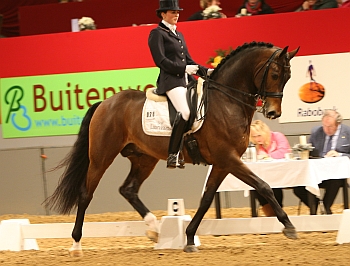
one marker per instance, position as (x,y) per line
(291,173)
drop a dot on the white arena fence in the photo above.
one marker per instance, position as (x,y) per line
(19,234)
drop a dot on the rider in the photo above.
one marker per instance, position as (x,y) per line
(170,54)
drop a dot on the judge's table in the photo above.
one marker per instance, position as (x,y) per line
(282,173)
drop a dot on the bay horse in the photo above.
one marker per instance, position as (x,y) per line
(250,72)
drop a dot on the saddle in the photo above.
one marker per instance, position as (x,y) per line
(195,101)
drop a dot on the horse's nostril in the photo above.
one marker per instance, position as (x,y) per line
(271,114)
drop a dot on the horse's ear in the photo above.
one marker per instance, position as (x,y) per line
(284,52)
(293,53)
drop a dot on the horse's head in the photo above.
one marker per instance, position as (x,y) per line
(270,78)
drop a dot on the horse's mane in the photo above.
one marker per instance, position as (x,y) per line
(239,49)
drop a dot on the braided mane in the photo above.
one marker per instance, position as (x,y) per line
(239,49)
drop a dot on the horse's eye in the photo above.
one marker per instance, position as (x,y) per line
(274,76)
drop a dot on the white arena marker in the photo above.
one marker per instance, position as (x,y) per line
(343,235)
(172,232)
(11,236)
(176,207)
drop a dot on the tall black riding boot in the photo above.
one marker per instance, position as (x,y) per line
(175,140)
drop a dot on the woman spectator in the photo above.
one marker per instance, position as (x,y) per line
(254,7)
(268,144)
(210,10)
(317,5)
(344,3)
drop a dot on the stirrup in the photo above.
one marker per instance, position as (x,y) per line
(181,161)
(171,161)
(181,164)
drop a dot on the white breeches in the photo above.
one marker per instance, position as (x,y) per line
(178,98)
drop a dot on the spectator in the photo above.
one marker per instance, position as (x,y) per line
(344,3)
(86,23)
(254,7)
(332,139)
(170,54)
(268,145)
(210,10)
(317,5)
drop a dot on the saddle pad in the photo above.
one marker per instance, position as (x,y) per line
(155,117)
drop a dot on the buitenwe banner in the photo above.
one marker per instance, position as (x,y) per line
(53,105)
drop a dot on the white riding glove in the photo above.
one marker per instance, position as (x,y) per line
(210,70)
(192,69)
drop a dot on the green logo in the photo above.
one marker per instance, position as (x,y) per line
(56,104)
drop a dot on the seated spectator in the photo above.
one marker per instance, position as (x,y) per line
(210,10)
(86,23)
(332,139)
(317,5)
(254,7)
(344,3)
(268,145)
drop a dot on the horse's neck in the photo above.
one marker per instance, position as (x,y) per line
(238,76)
(228,107)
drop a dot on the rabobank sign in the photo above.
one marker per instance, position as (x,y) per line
(54,105)
(318,83)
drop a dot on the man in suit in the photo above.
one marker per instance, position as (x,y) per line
(332,139)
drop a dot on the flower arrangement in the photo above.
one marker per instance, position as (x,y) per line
(303,147)
(212,12)
(220,54)
(86,23)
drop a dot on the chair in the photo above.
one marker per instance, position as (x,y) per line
(320,202)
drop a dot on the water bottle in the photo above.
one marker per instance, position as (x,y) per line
(251,153)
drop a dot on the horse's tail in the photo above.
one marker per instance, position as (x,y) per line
(72,182)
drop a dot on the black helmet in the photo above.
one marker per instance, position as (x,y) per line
(165,5)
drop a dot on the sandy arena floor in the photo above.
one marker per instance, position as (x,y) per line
(274,249)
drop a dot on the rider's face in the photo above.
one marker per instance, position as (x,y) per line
(171,16)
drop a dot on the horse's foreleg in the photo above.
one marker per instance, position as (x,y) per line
(265,190)
(248,177)
(213,183)
(141,167)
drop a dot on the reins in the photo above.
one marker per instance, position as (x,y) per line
(262,93)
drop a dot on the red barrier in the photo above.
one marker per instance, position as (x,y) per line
(124,48)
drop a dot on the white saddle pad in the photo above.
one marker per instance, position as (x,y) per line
(155,116)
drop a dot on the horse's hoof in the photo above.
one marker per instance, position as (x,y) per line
(190,248)
(152,235)
(76,253)
(290,233)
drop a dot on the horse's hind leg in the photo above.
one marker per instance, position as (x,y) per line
(142,166)
(94,175)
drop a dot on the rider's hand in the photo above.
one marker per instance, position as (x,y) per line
(192,69)
(210,70)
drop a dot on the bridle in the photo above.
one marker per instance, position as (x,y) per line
(262,91)
(261,94)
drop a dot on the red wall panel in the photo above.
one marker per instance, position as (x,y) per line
(123,48)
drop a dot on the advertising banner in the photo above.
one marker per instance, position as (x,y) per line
(54,105)
(318,82)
